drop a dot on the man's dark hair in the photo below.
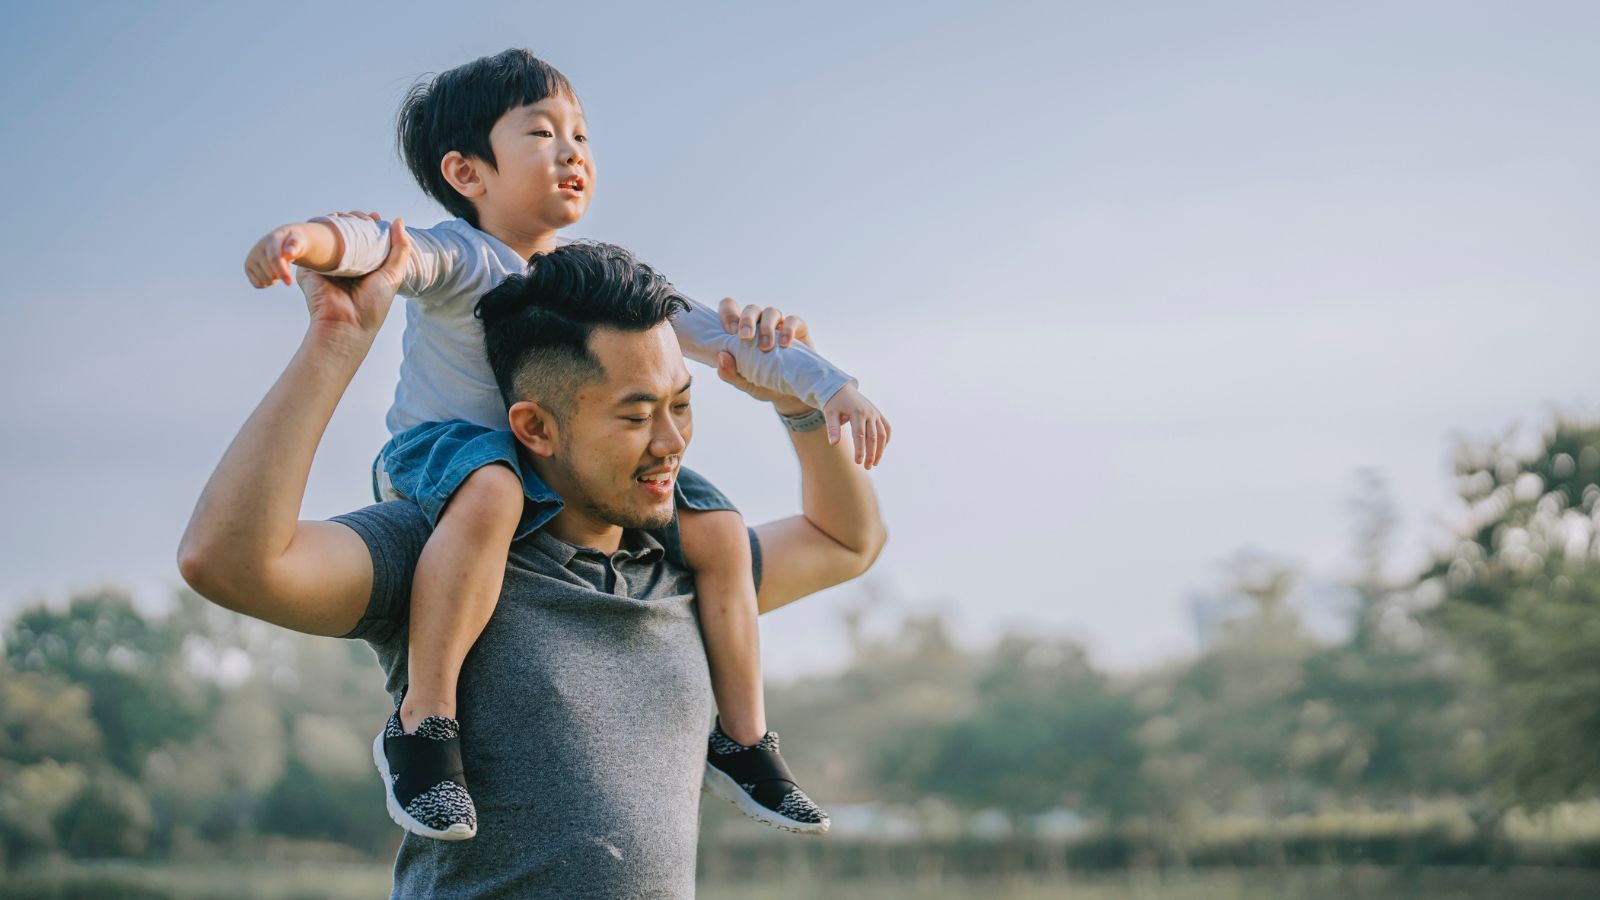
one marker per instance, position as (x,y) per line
(455,110)
(536,325)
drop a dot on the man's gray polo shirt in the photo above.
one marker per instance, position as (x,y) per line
(584,709)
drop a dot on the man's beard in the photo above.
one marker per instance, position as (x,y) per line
(616,514)
(633,518)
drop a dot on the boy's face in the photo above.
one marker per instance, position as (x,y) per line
(544,173)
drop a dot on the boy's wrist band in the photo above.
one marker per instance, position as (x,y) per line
(810,420)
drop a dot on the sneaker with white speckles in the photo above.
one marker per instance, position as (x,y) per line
(755,778)
(423,783)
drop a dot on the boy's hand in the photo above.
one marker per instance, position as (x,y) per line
(271,257)
(358,305)
(870,427)
(313,245)
(848,404)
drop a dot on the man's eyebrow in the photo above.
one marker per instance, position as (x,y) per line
(647,397)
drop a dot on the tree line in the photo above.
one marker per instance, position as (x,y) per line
(1471,685)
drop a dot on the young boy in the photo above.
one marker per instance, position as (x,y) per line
(500,142)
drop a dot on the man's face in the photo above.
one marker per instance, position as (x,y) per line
(624,440)
(544,172)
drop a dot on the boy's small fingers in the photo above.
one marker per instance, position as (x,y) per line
(729,311)
(747,321)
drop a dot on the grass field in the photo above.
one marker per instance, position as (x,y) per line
(131,881)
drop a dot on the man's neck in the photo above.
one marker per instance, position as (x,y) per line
(573,524)
(575,528)
(525,242)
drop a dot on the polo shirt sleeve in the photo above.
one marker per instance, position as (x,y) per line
(394,533)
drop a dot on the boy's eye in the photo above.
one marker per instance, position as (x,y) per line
(542,133)
(581,138)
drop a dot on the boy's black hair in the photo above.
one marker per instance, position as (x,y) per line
(455,110)
(536,325)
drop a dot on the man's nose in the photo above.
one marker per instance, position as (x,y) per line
(668,439)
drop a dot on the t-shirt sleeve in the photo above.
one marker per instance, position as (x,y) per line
(796,370)
(394,533)
(441,257)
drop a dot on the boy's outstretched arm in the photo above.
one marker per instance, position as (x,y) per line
(245,547)
(767,354)
(354,243)
(838,534)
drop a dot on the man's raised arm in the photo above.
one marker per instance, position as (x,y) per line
(839,532)
(245,548)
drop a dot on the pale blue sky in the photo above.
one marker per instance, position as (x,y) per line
(1138,284)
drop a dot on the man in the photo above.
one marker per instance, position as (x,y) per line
(588,690)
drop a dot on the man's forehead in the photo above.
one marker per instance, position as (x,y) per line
(639,363)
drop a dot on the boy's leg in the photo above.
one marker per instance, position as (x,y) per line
(743,765)
(717,549)
(456,587)
(454,590)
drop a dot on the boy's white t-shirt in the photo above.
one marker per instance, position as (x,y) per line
(445,372)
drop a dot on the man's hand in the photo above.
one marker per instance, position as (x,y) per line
(357,305)
(848,404)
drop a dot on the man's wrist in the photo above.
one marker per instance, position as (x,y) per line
(790,406)
(339,342)
(807,419)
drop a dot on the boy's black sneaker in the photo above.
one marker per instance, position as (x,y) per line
(755,779)
(423,783)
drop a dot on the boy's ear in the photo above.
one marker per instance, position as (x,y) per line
(534,427)
(462,174)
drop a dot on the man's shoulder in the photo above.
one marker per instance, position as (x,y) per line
(389,520)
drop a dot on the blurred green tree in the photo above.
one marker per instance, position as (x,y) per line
(1520,588)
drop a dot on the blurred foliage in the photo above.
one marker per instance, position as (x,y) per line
(1519,589)
(124,734)
(1452,711)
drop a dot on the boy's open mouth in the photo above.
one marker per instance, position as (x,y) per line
(574,184)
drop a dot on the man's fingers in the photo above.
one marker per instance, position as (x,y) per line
(794,329)
(728,370)
(729,311)
(887,431)
(394,264)
(767,326)
(747,321)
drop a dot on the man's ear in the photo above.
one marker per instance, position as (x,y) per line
(534,427)
(463,174)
